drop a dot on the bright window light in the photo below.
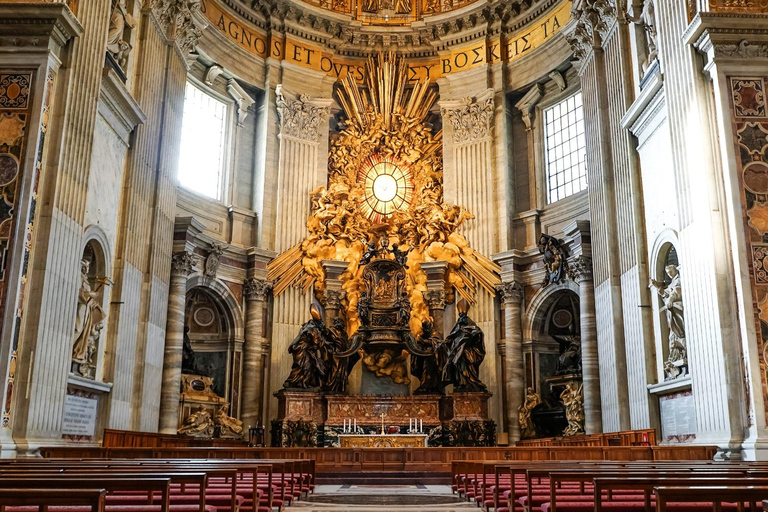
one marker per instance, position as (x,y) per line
(203,142)
(565,148)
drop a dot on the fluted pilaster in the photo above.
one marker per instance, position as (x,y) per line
(181,267)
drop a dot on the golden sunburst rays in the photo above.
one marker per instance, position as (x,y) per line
(385,93)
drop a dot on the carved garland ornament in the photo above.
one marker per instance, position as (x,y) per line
(471,122)
(299,118)
(176,17)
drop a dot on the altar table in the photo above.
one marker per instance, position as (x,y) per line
(383,441)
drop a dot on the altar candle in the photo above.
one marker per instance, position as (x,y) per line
(344,428)
(421,426)
(355,424)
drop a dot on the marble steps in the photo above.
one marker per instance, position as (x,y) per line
(384,478)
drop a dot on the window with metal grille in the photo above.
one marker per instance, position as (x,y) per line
(565,148)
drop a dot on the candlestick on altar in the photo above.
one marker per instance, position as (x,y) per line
(421,426)
(355,429)
(382,423)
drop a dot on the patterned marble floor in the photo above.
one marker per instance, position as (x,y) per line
(384,498)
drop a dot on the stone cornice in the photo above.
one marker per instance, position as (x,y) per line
(125,112)
(25,23)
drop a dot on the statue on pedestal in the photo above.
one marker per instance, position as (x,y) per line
(198,424)
(428,369)
(672,296)
(311,353)
(466,352)
(527,429)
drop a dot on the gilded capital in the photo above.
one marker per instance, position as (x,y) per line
(471,121)
(182,263)
(299,118)
(176,17)
(510,293)
(257,289)
(580,269)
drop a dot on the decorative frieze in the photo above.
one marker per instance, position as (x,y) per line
(257,289)
(471,121)
(299,118)
(743,49)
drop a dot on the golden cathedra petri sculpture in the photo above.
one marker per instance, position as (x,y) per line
(385,181)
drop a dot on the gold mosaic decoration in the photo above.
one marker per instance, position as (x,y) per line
(386,123)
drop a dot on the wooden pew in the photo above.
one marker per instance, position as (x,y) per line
(715,494)
(43,498)
(110,485)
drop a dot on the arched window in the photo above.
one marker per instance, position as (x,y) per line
(565,148)
(203,143)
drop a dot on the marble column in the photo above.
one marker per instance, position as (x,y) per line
(435,294)
(256,292)
(333,292)
(181,267)
(581,271)
(512,297)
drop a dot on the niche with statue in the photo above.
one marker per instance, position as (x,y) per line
(91,315)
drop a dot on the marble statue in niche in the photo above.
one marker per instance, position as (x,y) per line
(646,18)
(189,362)
(229,426)
(554,257)
(311,351)
(89,320)
(573,400)
(672,297)
(119,20)
(466,352)
(198,424)
(527,428)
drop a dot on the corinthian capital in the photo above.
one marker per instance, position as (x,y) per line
(181,263)
(299,118)
(257,289)
(435,299)
(177,18)
(510,292)
(471,119)
(580,269)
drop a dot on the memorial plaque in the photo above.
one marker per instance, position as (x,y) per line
(79,416)
(678,417)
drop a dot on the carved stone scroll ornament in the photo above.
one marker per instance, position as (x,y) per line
(299,118)
(177,18)
(182,263)
(213,259)
(472,121)
(257,289)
